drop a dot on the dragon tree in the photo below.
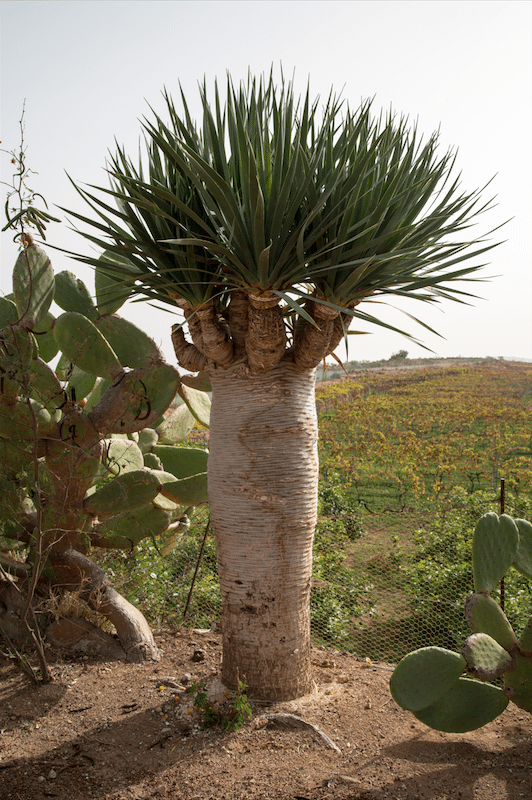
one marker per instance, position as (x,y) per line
(266,227)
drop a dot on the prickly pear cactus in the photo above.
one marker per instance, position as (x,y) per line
(430,682)
(89,443)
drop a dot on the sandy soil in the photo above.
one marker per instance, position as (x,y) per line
(116,731)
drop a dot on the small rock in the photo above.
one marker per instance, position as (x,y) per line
(198,655)
(52,774)
(186,679)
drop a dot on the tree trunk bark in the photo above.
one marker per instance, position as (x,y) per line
(263,477)
(76,572)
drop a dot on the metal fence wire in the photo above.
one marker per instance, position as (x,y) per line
(383,583)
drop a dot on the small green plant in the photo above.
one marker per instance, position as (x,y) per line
(231,718)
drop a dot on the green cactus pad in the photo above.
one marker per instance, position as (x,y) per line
(19,347)
(33,285)
(198,402)
(14,457)
(177,426)
(495,543)
(121,455)
(201,381)
(182,462)
(125,493)
(486,659)
(8,312)
(79,383)
(81,341)
(169,493)
(126,530)
(71,294)
(517,683)
(525,640)
(523,558)
(484,615)
(45,387)
(110,293)
(168,505)
(97,394)
(152,461)
(136,400)
(466,706)
(187,491)
(17,422)
(133,347)
(15,371)
(44,336)
(423,676)
(147,439)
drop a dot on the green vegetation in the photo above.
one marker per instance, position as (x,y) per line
(232,715)
(407,439)
(385,582)
(429,682)
(87,457)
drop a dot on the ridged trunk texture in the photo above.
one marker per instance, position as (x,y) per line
(263,477)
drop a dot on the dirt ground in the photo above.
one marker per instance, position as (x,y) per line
(116,731)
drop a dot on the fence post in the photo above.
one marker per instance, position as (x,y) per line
(502,500)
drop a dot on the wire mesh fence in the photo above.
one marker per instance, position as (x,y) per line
(383,583)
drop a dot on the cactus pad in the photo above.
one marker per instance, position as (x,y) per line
(121,455)
(198,402)
(80,384)
(525,640)
(201,381)
(177,426)
(8,312)
(484,615)
(81,342)
(466,706)
(110,295)
(486,659)
(136,400)
(126,530)
(425,675)
(44,334)
(125,493)
(190,491)
(182,462)
(133,347)
(517,683)
(495,544)
(71,294)
(523,558)
(147,439)
(33,285)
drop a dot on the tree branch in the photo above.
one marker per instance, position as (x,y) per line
(216,342)
(312,344)
(187,354)
(266,335)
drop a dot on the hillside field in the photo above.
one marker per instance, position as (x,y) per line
(405,437)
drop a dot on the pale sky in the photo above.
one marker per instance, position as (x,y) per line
(88,72)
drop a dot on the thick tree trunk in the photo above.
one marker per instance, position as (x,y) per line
(263,475)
